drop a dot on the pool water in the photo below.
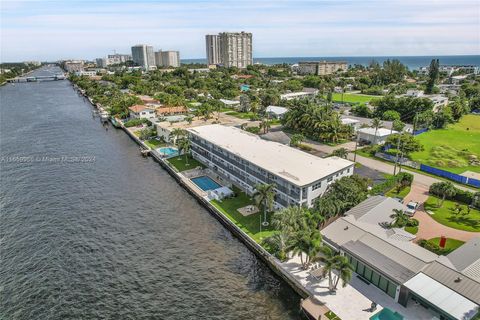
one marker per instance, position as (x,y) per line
(205,183)
(387,314)
(168,151)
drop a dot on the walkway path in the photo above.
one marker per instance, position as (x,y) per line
(428,227)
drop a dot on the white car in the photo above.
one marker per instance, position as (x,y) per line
(411,208)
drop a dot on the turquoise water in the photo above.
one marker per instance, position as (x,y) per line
(205,183)
(168,151)
(412,62)
(387,314)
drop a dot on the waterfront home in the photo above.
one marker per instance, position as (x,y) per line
(246,160)
(141,112)
(448,286)
(374,136)
(276,112)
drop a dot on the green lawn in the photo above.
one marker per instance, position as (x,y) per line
(446,216)
(450,148)
(450,245)
(354,98)
(249,224)
(332,316)
(240,115)
(412,230)
(179,163)
(154,143)
(402,194)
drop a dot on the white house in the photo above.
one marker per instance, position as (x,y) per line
(276,112)
(368,135)
(354,123)
(230,103)
(306,93)
(141,112)
(414,93)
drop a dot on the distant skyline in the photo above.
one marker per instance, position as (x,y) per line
(52,30)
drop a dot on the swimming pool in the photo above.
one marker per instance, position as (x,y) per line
(168,151)
(387,314)
(205,183)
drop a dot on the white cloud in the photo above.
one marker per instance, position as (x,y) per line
(54,29)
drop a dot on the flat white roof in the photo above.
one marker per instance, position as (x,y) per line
(295,94)
(277,110)
(381,132)
(293,165)
(349,121)
(229,102)
(442,297)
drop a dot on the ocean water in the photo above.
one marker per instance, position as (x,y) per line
(89,229)
(412,62)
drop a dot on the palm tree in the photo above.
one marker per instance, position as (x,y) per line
(184,146)
(265,124)
(177,134)
(306,243)
(278,245)
(376,123)
(399,218)
(264,196)
(341,152)
(335,262)
(446,189)
(290,220)
(344,270)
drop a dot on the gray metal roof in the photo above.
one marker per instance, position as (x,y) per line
(467,255)
(385,265)
(467,287)
(364,207)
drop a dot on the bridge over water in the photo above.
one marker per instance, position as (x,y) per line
(53,77)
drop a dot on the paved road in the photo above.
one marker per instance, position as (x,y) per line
(428,228)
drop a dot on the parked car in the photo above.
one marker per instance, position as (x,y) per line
(411,208)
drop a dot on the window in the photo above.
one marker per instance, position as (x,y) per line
(360,268)
(392,290)
(329,179)
(375,278)
(317,185)
(383,283)
(367,273)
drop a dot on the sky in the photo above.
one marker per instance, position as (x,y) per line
(53,30)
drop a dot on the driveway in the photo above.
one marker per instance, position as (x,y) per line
(429,228)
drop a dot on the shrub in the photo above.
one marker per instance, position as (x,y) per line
(463,196)
(412,223)
(136,122)
(305,147)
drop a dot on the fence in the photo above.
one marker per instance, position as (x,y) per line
(449,175)
(417,132)
(402,161)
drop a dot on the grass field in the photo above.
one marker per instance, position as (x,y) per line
(412,230)
(353,98)
(402,194)
(240,115)
(154,143)
(450,245)
(179,163)
(451,148)
(249,224)
(446,215)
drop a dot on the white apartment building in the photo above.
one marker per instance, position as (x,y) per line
(247,160)
(143,56)
(321,68)
(235,49)
(212,44)
(167,59)
(306,93)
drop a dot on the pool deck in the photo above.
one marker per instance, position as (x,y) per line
(354,300)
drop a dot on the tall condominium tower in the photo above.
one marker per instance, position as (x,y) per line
(232,49)
(167,58)
(143,55)
(212,42)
